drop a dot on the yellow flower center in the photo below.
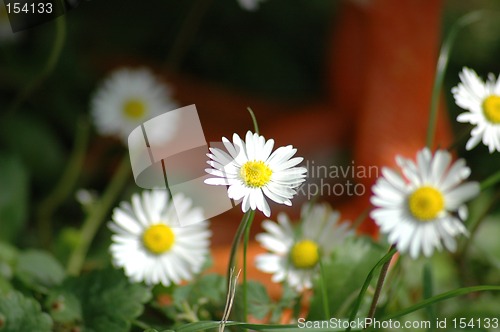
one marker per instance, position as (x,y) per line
(134,109)
(491,109)
(158,238)
(305,254)
(426,203)
(255,174)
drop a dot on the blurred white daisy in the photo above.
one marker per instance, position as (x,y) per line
(126,99)
(482,100)
(294,255)
(252,171)
(422,209)
(149,247)
(250,5)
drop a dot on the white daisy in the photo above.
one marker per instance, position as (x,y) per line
(482,100)
(294,256)
(147,245)
(424,208)
(126,99)
(252,171)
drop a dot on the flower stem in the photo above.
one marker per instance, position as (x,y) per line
(387,257)
(96,216)
(492,180)
(324,291)
(254,120)
(444,56)
(52,60)
(64,186)
(236,241)
(380,284)
(187,32)
(245,246)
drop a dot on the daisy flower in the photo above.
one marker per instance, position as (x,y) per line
(482,101)
(252,171)
(422,209)
(149,247)
(294,255)
(126,99)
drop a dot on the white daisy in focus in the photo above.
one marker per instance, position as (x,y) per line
(252,171)
(482,101)
(294,255)
(250,5)
(422,209)
(126,99)
(149,247)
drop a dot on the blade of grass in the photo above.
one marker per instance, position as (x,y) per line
(439,298)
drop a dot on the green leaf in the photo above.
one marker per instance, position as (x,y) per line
(345,274)
(64,306)
(108,301)
(19,313)
(13,197)
(211,287)
(39,270)
(259,302)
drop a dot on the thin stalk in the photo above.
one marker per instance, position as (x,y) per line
(387,257)
(380,284)
(186,33)
(444,56)
(324,291)
(236,241)
(49,66)
(96,216)
(490,181)
(254,120)
(64,186)
(245,246)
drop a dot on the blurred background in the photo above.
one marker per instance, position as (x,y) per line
(343,81)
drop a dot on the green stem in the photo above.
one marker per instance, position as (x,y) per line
(245,246)
(444,56)
(47,69)
(492,180)
(96,216)
(254,120)
(324,291)
(186,33)
(380,284)
(428,290)
(387,257)
(236,241)
(64,186)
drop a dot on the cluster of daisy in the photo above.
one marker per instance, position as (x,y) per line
(421,208)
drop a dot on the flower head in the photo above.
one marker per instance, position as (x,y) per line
(148,246)
(482,101)
(294,256)
(252,171)
(424,208)
(126,99)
